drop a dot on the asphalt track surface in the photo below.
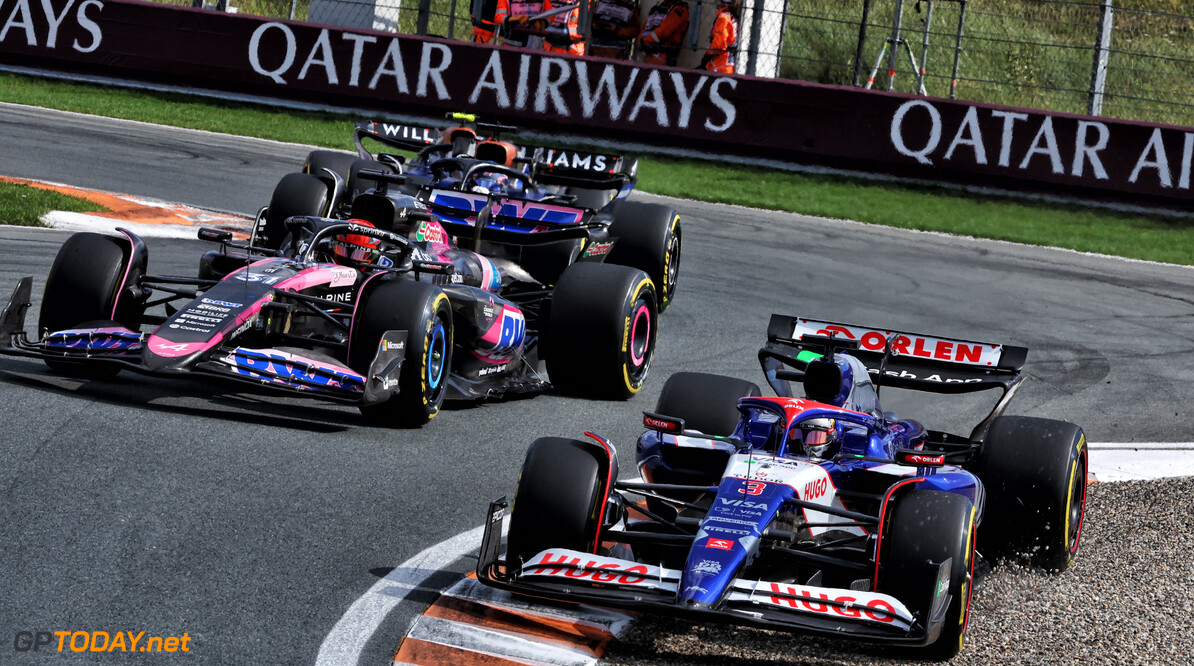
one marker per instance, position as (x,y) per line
(252,522)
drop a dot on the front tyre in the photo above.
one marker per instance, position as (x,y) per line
(706,402)
(558,500)
(1034,471)
(601,331)
(91,282)
(423,310)
(923,527)
(296,194)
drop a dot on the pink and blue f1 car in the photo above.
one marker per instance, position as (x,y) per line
(810,511)
(396,336)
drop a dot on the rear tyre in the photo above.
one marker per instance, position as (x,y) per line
(358,185)
(558,501)
(423,310)
(1034,472)
(706,402)
(84,286)
(601,331)
(547,262)
(930,526)
(649,239)
(585,197)
(295,194)
(337,161)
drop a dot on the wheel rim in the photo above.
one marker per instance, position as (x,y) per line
(437,354)
(673,268)
(640,340)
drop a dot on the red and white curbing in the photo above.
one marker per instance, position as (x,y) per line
(471,624)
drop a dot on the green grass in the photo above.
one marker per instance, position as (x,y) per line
(913,207)
(23,205)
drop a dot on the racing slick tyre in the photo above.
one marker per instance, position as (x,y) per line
(586,197)
(1034,471)
(295,194)
(923,527)
(423,310)
(601,331)
(548,261)
(85,287)
(649,239)
(706,402)
(358,185)
(335,160)
(559,497)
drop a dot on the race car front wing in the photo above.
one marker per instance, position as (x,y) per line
(268,369)
(568,575)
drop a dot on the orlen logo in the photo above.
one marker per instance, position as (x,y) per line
(814,489)
(922,459)
(905,345)
(609,572)
(850,606)
(720,544)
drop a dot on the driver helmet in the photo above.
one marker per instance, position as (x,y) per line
(818,437)
(356,250)
(492,183)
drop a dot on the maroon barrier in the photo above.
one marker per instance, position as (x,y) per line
(761,119)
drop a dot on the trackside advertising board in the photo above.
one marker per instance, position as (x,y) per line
(762,119)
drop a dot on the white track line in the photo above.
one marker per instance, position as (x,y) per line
(68,221)
(343,645)
(495,643)
(1137,461)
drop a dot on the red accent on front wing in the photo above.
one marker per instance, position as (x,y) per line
(609,481)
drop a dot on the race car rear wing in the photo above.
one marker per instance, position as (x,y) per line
(894,358)
(560,166)
(397,135)
(897,359)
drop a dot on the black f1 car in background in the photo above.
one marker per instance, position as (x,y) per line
(549,207)
(396,337)
(819,514)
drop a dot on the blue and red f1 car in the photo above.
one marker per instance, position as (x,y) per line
(819,513)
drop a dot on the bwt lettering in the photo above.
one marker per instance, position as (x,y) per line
(98,641)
